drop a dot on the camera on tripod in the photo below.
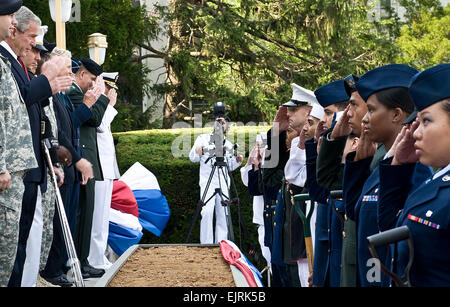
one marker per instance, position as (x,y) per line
(218,147)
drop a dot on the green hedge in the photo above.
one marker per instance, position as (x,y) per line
(178,178)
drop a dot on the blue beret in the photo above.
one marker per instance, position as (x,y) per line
(430,86)
(8,7)
(331,93)
(384,77)
(91,66)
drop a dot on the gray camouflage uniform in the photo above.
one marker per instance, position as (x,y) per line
(16,157)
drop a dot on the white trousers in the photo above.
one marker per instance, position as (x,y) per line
(206,224)
(33,249)
(303,272)
(100,224)
(264,249)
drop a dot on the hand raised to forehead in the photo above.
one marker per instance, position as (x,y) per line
(366,148)
(342,127)
(53,67)
(112,95)
(90,98)
(404,151)
(58,84)
(99,85)
(282,119)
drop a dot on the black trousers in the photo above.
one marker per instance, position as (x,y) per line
(84,222)
(26,220)
(57,258)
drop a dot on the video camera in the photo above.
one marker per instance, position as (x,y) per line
(219,110)
(217,146)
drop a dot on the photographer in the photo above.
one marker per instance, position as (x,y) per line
(204,152)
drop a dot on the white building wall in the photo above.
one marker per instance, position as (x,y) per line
(377,13)
(156,65)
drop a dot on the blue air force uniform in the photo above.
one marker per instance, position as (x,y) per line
(361,187)
(328,236)
(425,210)
(361,194)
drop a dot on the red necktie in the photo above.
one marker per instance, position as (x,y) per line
(23,66)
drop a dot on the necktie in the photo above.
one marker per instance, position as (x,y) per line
(23,66)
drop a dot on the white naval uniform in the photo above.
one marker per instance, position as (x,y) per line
(206,224)
(258,214)
(103,191)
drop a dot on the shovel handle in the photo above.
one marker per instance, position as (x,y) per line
(309,253)
(389,236)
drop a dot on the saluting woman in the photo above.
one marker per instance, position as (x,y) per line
(385,90)
(425,209)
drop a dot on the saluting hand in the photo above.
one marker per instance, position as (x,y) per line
(319,129)
(112,95)
(99,86)
(404,149)
(366,148)
(60,84)
(342,127)
(52,68)
(252,156)
(90,97)
(301,143)
(282,119)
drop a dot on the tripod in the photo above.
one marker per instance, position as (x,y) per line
(220,165)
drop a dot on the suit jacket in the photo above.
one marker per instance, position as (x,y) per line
(88,130)
(67,132)
(33,92)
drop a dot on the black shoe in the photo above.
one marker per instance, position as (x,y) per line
(60,280)
(90,272)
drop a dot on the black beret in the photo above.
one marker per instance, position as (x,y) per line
(9,6)
(91,66)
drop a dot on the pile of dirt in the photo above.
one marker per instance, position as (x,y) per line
(174,266)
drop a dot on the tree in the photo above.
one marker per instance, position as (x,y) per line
(426,41)
(126,25)
(247,53)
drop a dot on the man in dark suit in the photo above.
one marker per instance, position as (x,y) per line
(68,136)
(88,86)
(33,91)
